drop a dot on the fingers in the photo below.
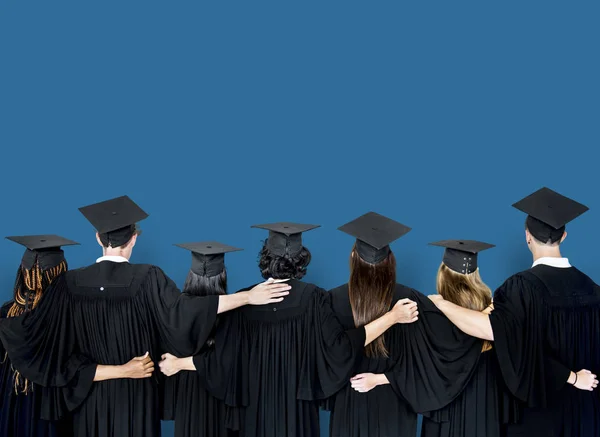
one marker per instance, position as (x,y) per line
(277,281)
(275,300)
(274,288)
(143,357)
(280,294)
(405,301)
(358,377)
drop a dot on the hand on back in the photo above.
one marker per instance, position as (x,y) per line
(270,291)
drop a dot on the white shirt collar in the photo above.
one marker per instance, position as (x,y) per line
(112,258)
(561,263)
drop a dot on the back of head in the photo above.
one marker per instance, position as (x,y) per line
(202,285)
(283,266)
(465,290)
(371,291)
(36,272)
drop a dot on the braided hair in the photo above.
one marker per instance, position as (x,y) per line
(29,288)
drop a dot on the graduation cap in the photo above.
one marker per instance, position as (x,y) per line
(208,258)
(461,255)
(115,219)
(285,238)
(548,212)
(45,249)
(374,233)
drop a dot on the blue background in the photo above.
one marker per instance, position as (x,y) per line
(217,115)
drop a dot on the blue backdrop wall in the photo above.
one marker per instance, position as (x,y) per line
(216,116)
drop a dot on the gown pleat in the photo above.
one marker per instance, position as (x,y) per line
(108,314)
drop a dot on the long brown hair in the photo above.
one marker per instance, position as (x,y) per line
(371,291)
(28,291)
(465,290)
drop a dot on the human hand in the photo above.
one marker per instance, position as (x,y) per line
(405,311)
(270,291)
(138,367)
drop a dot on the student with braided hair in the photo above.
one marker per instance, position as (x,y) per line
(26,409)
(21,402)
(93,319)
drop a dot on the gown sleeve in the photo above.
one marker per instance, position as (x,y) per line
(223,367)
(184,322)
(331,353)
(42,346)
(436,360)
(517,323)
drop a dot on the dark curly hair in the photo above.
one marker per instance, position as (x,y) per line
(283,267)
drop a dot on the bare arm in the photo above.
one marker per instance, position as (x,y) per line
(137,368)
(471,322)
(270,291)
(404,311)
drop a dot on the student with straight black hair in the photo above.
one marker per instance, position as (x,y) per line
(196,412)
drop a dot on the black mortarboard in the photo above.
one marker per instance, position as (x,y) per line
(285,238)
(115,219)
(374,233)
(45,249)
(208,258)
(461,255)
(548,213)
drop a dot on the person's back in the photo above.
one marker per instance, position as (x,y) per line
(566,303)
(414,367)
(382,412)
(22,403)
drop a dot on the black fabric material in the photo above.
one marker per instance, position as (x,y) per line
(208,265)
(275,361)
(281,245)
(108,312)
(544,232)
(20,414)
(483,409)
(549,312)
(114,214)
(430,362)
(459,261)
(47,259)
(371,254)
(550,207)
(119,237)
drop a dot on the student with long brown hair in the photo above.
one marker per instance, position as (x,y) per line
(428,361)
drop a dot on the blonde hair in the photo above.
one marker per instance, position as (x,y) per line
(465,290)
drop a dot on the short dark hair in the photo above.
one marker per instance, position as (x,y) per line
(283,267)
(549,242)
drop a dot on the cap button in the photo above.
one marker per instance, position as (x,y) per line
(101,288)
(274,309)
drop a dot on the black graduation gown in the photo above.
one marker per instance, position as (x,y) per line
(20,414)
(482,410)
(430,362)
(195,411)
(274,362)
(107,313)
(549,312)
